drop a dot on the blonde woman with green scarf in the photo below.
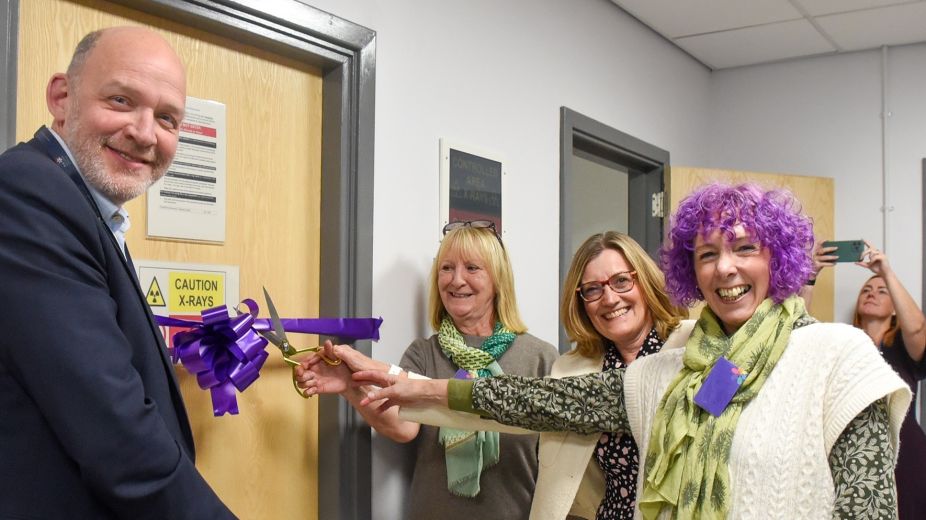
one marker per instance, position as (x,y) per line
(765,413)
(464,474)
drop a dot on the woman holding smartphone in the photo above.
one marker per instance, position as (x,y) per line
(889,315)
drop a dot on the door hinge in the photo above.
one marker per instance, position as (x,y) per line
(659,210)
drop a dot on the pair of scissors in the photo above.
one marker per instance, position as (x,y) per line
(277,336)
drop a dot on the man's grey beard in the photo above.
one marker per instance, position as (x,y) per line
(88,154)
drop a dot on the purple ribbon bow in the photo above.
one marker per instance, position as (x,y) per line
(226,353)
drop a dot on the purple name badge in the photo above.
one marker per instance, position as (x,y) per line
(718,388)
(463,374)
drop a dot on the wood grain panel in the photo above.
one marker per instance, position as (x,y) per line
(263,462)
(814,193)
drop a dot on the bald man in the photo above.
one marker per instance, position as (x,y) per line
(92,424)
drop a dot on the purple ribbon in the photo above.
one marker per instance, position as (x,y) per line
(226,353)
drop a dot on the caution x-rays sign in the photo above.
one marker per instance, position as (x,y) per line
(184,290)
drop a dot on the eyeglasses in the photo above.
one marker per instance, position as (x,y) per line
(476,224)
(619,282)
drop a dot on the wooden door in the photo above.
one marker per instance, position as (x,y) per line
(814,193)
(263,462)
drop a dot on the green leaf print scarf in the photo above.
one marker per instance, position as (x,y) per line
(687,461)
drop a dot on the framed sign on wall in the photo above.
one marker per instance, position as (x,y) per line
(471,185)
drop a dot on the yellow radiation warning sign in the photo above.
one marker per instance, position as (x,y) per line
(183,290)
(191,292)
(154,296)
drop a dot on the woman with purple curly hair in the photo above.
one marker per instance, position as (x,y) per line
(772,217)
(765,412)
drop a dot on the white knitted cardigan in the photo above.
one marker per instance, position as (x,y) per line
(779,464)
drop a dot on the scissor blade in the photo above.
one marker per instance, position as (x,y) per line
(274,318)
(271,336)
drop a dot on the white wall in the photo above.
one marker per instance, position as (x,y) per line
(493,74)
(906,149)
(822,117)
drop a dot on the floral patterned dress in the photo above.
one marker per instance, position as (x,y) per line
(617,453)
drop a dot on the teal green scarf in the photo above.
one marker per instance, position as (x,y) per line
(467,453)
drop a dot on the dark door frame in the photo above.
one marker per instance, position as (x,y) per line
(346,54)
(647,164)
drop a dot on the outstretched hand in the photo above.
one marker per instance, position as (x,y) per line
(314,376)
(400,391)
(355,360)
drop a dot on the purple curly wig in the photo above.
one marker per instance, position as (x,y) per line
(773,217)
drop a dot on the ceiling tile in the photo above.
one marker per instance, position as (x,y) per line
(895,25)
(674,18)
(821,7)
(756,44)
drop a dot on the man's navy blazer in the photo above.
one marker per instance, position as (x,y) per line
(92,423)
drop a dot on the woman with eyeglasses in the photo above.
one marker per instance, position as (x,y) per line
(895,323)
(462,473)
(765,413)
(615,310)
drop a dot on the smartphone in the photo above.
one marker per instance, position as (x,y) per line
(847,250)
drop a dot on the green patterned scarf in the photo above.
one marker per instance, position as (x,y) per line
(468,453)
(687,461)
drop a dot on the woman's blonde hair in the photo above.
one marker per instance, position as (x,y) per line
(482,245)
(589,342)
(888,339)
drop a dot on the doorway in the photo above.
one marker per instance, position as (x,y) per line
(609,180)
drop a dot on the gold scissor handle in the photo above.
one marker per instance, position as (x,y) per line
(294,363)
(333,362)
